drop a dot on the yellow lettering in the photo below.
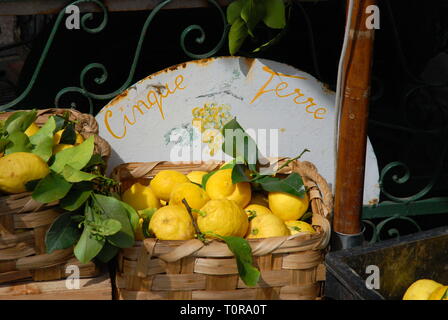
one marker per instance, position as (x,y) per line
(319,111)
(106,122)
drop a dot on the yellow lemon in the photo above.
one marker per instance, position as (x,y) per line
(196,196)
(196,176)
(254,210)
(296,226)
(439,294)
(59,147)
(57,137)
(140,197)
(18,168)
(421,289)
(220,186)
(259,198)
(165,181)
(266,226)
(223,217)
(32,130)
(287,206)
(172,222)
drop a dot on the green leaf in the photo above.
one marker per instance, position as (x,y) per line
(147,213)
(44,149)
(239,174)
(113,209)
(234,11)
(20,121)
(243,255)
(77,196)
(293,184)
(306,216)
(77,157)
(88,246)
(275,14)
(63,233)
(3,143)
(252,13)
(133,215)
(95,160)
(107,253)
(31,185)
(18,142)
(237,34)
(68,135)
(60,122)
(73,175)
(238,144)
(107,227)
(51,188)
(42,141)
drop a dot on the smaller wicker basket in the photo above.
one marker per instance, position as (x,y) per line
(24,222)
(291,267)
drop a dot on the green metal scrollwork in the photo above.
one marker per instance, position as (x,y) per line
(98,67)
(103,71)
(47,47)
(392,232)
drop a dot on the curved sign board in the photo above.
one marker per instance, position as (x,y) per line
(178,113)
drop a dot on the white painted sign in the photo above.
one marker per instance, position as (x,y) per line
(177,114)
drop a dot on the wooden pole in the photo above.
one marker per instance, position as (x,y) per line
(353,123)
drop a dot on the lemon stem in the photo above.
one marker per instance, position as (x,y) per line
(199,234)
(293,159)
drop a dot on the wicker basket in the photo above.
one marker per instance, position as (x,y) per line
(291,267)
(24,222)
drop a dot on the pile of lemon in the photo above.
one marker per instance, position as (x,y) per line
(221,208)
(426,289)
(19,168)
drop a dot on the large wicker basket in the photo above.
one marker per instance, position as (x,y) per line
(291,267)
(24,222)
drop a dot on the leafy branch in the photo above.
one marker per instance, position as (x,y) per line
(245,15)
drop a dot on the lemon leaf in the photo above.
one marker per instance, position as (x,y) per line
(239,174)
(73,175)
(107,253)
(243,255)
(77,157)
(20,121)
(51,188)
(239,145)
(113,209)
(234,11)
(68,135)
(77,196)
(252,13)
(18,142)
(237,34)
(88,246)
(106,227)
(293,184)
(63,233)
(306,216)
(133,215)
(275,14)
